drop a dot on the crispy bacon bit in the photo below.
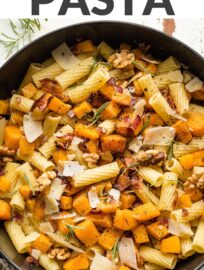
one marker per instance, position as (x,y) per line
(118,89)
(169,99)
(184,212)
(122,183)
(52,87)
(147,159)
(163,221)
(31,261)
(127,119)
(42,102)
(112,81)
(65,141)
(136,182)
(136,122)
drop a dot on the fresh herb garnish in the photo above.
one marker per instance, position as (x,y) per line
(22,31)
(146,124)
(29,183)
(115,249)
(71,231)
(98,113)
(171,150)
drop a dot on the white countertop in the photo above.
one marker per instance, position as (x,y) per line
(190,31)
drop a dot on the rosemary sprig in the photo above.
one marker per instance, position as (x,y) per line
(98,113)
(29,183)
(71,231)
(146,124)
(22,31)
(115,249)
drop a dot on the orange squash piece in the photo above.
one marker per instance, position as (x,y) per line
(171,245)
(78,262)
(25,191)
(5,212)
(146,212)
(107,91)
(86,132)
(127,200)
(140,235)
(125,220)
(81,204)
(101,220)
(59,155)
(4,107)
(184,201)
(183,132)
(4,184)
(66,202)
(113,143)
(109,237)
(29,90)
(42,243)
(190,160)
(82,109)
(195,122)
(58,106)
(25,147)
(12,135)
(84,47)
(157,230)
(111,111)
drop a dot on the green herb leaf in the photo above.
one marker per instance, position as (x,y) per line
(146,124)
(98,113)
(170,151)
(115,249)
(29,183)
(71,231)
(22,30)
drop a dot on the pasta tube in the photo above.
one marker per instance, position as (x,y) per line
(91,85)
(95,175)
(186,247)
(33,68)
(180,98)
(170,64)
(148,86)
(198,241)
(152,255)
(151,176)
(21,103)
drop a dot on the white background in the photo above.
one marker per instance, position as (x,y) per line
(190,31)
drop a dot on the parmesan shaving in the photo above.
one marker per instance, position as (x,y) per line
(76,141)
(51,205)
(139,107)
(32,129)
(115,194)
(93,199)
(64,57)
(60,240)
(127,252)
(71,168)
(159,136)
(180,229)
(46,227)
(56,189)
(135,145)
(101,263)
(194,85)
(31,237)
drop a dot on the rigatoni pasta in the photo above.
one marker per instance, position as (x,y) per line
(102,161)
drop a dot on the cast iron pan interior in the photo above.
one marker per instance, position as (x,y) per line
(114,33)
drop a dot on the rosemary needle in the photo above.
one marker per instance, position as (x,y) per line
(71,231)
(98,113)
(115,249)
(29,184)
(22,31)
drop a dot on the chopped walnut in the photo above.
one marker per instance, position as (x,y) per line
(60,254)
(194,181)
(91,159)
(123,59)
(147,159)
(31,261)
(4,151)
(44,180)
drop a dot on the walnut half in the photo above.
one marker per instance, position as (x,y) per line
(123,59)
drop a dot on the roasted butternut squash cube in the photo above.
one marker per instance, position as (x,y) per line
(140,235)
(190,160)
(4,107)
(39,209)
(195,195)
(124,268)
(58,106)
(121,99)
(195,122)
(183,132)
(127,200)
(62,224)
(109,237)
(171,245)
(5,212)
(87,233)
(17,117)
(107,91)
(184,201)
(108,208)
(59,155)
(125,220)
(86,132)
(66,202)
(4,184)
(25,147)
(101,220)
(78,262)
(92,146)
(29,90)
(84,47)
(12,135)
(155,120)
(198,95)
(157,230)
(146,212)
(42,243)
(81,204)
(114,143)
(25,191)
(111,111)
(30,204)
(82,109)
